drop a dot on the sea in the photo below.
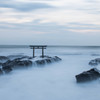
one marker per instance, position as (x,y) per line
(54,81)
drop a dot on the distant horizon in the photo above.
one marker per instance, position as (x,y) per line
(51,45)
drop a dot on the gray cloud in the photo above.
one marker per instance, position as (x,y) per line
(23,6)
(48,27)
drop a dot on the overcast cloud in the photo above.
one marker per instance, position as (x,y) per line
(58,22)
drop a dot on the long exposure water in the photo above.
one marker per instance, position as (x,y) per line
(55,81)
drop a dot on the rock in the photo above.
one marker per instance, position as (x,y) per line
(47,60)
(57,58)
(40,62)
(3,59)
(7,69)
(86,76)
(20,64)
(1,72)
(94,62)
(19,61)
(24,61)
(8,63)
(12,57)
(1,64)
(16,63)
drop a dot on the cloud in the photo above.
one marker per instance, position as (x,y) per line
(84,30)
(23,6)
(77,14)
(62,12)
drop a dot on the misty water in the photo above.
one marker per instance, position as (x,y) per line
(55,81)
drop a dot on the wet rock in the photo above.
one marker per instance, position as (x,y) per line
(1,64)
(40,62)
(57,58)
(3,59)
(47,60)
(27,61)
(1,72)
(13,57)
(16,63)
(7,69)
(21,64)
(86,76)
(19,61)
(8,64)
(94,62)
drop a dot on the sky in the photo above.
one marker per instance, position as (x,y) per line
(50,22)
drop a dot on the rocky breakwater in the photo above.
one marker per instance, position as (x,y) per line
(9,63)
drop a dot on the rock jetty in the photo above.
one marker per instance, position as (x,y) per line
(9,63)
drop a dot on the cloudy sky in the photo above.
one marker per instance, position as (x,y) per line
(51,22)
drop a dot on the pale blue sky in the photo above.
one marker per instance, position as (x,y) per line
(51,22)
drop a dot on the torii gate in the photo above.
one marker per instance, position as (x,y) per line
(38,47)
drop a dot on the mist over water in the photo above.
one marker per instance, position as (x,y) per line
(54,81)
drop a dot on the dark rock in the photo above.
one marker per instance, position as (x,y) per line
(1,64)
(3,58)
(94,62)
(40,62)
(23,63)
(57,58)
(1,72)
(17,63)
(25,57)
(12,57)
(7,69)
(86,76)
(47,60)
(8,63)
(44,56)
